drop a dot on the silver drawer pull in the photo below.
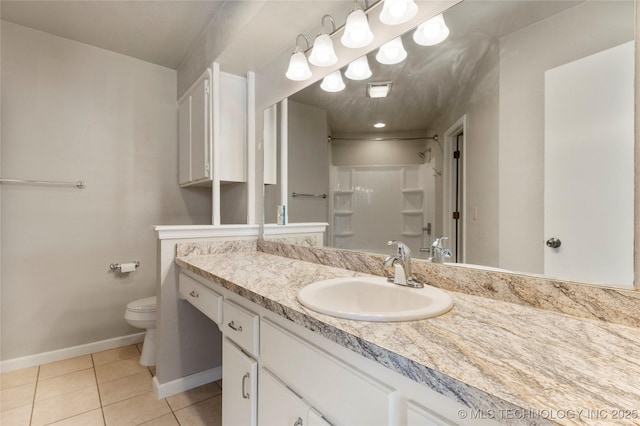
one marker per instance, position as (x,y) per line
(245,395)
(194,294)
(234,327)
(298,422)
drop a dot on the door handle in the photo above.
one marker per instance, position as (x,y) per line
(554,242)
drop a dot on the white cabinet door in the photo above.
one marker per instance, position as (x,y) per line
(184,140)
(194,132)
(200,129)
(240,378)
(277,404)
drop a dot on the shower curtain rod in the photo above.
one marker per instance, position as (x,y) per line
(434,138)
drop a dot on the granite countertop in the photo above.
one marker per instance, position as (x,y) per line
(486,354)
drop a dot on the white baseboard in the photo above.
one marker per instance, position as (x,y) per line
(182,384)
(66,353)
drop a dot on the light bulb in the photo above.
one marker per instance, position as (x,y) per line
(323,54)
(431,32)
(357,32)
(333,82)
(395,12)
(392,52)
(358,69)
(298,67)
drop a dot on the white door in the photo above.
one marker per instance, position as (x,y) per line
(589,168)
(240,378)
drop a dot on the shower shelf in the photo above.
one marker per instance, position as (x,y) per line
(343,234)
(343,212)
(412,191)
(412,212)
(412,234)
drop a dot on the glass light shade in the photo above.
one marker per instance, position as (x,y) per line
(298,67)
(358,69)
(392,52)
(323,54)
(395,12)
(333,82)
(357,32)
(432,32)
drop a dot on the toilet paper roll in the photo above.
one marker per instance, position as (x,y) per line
(127,267)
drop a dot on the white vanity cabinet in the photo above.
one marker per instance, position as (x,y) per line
(276,372)
(212,130)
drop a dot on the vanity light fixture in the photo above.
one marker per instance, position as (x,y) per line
(298,66)
(431,32)
(391,52)
(379,125)
(333,82)
(356,31)
(379,89)
(323,53)
(395,12)
(358,69)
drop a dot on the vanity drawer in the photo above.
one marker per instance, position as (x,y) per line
(203,298)
(242,326)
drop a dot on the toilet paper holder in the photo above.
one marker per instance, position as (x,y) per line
(116,266)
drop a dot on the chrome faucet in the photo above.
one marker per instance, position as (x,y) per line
(402,263)
(438,252)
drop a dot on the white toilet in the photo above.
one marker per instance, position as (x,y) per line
(141,313)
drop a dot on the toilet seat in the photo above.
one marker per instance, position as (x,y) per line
(147,304)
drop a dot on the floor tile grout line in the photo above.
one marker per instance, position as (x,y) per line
(95,376)
(33,401)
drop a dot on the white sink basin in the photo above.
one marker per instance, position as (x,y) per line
(373,299)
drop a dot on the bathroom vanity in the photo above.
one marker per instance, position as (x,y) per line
(483,361)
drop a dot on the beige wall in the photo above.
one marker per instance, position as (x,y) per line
(525,55)
(70,112)
(480,105)
(308,166)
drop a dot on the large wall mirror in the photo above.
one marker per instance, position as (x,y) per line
(513,137)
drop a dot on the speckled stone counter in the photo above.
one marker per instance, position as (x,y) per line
(486,354)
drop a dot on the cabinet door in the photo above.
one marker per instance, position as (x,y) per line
(277,404)
(200,130)
(239,375)
(184,140)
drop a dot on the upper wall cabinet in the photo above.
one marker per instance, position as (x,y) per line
(212,130)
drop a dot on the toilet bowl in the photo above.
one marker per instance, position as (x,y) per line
(141,313)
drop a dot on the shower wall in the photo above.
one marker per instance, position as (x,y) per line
(381,191)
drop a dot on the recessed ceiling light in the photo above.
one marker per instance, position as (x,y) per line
(379,125)
(379,89)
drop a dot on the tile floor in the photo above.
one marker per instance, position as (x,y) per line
(106,388)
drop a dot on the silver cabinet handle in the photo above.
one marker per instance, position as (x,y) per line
(245,395)
(194,294)
(235,327)
(298,422)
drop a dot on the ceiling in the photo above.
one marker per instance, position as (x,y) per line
(429,77)
(160,32)
(163,31)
